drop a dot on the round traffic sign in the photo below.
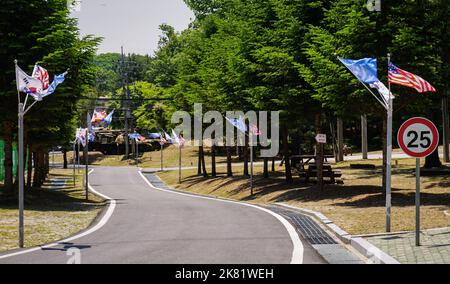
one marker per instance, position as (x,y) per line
(418,137)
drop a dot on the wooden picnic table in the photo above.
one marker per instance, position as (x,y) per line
(299,163)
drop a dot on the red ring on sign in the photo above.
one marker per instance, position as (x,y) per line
(430,125)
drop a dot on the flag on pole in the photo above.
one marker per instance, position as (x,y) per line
(178,139)
(98,116)
(56,81)
(42,75)
(168,138)
(28,84)
(82,134)
(407,79)
(155,135)
(364,69)
(238,123)
(163,141)
(255,130)
(108,119)
(383,90)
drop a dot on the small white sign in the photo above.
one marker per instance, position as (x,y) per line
(321,138)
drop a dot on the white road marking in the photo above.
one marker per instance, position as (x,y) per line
(100,224)
(298,251)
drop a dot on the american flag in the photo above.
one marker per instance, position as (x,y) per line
(42,75)
(407,79)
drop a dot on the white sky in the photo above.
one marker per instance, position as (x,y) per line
(131,23)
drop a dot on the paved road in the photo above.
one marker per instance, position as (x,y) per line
(152,226)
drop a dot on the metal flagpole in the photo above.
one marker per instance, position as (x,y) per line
(137,153)
(162,148)
(78,157)
(179,162)
(73,163)
(417,202)
(21,114)
(251,162)
(86,151)
(389,155)
(21,177)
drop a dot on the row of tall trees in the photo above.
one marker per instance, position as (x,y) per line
(36,31)
(280,55)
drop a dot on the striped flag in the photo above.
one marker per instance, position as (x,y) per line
(42,75)
(407,79)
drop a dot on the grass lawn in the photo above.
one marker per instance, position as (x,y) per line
(357,206)
(50,215)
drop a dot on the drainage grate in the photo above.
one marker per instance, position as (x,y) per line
(156,181)
(307,228)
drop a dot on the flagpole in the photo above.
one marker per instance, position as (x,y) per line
(162,149)
(86,151)
(73,163)
(20,114)
(179,162)
(389,155)
(251,162)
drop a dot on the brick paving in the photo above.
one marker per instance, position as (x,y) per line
(434,249)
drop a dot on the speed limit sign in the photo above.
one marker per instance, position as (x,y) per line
(418,137)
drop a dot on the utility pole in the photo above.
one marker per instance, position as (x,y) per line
(126,103)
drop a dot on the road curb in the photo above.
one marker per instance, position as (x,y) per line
(373,253)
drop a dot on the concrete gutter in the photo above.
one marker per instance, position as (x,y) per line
(371,252)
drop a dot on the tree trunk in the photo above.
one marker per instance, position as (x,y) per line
(8,163)
(266,167)
(364,138)
(433,161)
(203,162)
(287,157)
(213,161)
(319,154)
(199,164)
(446,128)
(384,139)
(65,166)
(340,138)
(229,166)
(29,168)
(40,171)
(246,156)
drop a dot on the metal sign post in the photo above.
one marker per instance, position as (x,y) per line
(418,138)
(418,202)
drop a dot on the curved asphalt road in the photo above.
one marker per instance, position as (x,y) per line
(152,226)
